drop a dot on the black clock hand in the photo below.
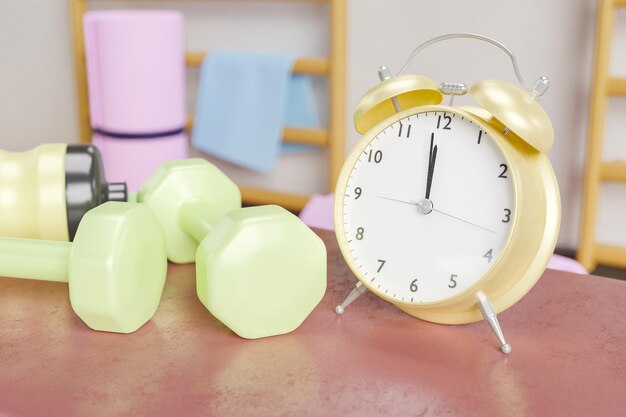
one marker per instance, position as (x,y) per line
(432,158)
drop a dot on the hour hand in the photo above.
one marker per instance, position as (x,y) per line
(432,158)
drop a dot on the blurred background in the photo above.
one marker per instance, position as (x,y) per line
(555,39)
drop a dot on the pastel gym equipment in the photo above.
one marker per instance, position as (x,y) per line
(115,267)
(333,67)
(135,71)
(133,160)
(259,270)
(45,192)
(188,197)
(318,212)
(135,63)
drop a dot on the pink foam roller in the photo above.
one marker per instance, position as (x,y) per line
(135,70)
(562,263)
(133,160)
(318,212)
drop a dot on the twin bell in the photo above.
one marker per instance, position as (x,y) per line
(507,108)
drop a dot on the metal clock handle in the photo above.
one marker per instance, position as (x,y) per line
(540,87)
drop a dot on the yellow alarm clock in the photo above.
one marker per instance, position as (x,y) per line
(451,213)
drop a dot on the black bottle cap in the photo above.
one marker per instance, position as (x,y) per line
(85,185)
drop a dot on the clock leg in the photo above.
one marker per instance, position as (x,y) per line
(356,292)
(489,314)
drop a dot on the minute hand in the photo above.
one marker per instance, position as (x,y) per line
(413,203)
(432,158)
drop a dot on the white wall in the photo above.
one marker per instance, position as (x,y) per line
(36,74)
(552,38)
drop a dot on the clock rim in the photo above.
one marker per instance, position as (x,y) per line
(343,180)
(466,299)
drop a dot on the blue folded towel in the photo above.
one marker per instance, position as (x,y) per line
(244,102)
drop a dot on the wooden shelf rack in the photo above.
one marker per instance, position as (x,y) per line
(598,171)
(333,67)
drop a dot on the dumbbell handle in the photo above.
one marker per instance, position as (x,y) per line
(34,259)
(195,218)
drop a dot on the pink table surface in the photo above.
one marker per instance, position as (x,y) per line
(568,336)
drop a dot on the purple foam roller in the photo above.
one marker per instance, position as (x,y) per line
(136,71)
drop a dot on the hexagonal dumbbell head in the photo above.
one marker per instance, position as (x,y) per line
(117,267)
(261,271)
(175,184)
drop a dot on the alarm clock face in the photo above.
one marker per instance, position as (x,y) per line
(428,207)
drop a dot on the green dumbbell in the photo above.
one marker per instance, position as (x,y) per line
(259,270)
(115,267)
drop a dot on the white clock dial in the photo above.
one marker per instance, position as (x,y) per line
(428,207)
